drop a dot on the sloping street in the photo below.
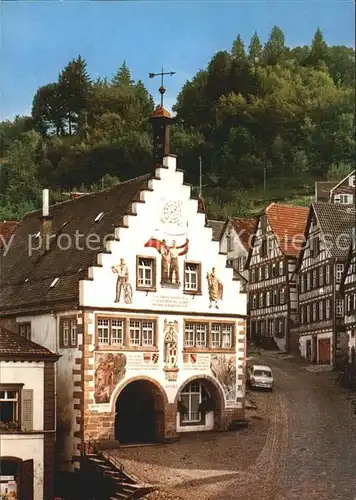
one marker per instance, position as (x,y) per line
(301,444)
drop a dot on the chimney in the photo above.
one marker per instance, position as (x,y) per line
(46,221)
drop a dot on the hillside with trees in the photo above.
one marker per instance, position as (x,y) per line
(267,120)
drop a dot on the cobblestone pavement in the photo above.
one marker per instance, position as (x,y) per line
(301,444)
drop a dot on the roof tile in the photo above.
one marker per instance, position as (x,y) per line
(13,346)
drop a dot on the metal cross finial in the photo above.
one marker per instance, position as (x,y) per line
(162,90)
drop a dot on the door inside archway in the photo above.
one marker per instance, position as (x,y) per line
(139,413)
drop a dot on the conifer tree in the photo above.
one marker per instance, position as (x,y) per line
(238,49)
(122,77)
(254,49)
(274,50)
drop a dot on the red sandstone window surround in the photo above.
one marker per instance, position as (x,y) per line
(126,333)
(204,335)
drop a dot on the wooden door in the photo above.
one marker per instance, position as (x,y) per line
(26,492)
(324,351)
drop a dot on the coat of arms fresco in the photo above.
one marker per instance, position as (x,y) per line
(110,369)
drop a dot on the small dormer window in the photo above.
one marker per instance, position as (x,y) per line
(99,217)
(353,180)
(54,282)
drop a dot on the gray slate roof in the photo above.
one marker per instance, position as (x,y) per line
(336,222)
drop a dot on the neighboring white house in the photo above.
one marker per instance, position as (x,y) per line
(27,418)
(149,321)
(235,241)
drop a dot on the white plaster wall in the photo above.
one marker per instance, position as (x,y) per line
(101,291)
(303,344)
(156,372)
(209,424)
(31,375)
(45,331)
(26,447)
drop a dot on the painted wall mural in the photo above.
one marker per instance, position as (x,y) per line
(169,258)
(110,369)
(215,288)
(223,367)
(170,356)
(122,282)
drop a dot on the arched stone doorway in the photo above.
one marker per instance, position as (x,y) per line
(140,412)
(198,398)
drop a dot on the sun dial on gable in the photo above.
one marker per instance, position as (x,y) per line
(172,217)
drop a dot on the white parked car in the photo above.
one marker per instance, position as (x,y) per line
(260,376)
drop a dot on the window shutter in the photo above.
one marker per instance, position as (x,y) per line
(27,410)
(27,480)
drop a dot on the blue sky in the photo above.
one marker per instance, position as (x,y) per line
(38,38)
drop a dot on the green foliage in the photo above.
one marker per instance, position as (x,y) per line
(267,122)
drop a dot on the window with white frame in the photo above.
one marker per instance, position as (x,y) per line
(270,244)
(353,181)
(339,272)
(268,298)
(261,299)
(117,331)
(146,272)
(321,276)
(282,296)
(263,327)
(281,268)
(25,330)
(191,277)
(281,325)
(141,332)
(339,308)
(103,331)
(308,281)
(226,336)
(253,275)
(327,274)
(200,335)
(314,311)
(343,199)
(267,272)
(68,332)
(215,335)
(274,270)
(302,284)
(254,301)
(327,309)
(260,273)
(314,279)
(271,327)
(302,314)
(321,310)
(9,405)
(308,313)
(275,297)
(191,397)
(229,242)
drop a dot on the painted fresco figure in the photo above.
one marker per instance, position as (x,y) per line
(165,261)
(169,255)
(215,288)
(122,284)
(170,345)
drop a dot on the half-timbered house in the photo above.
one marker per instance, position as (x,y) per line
(129,286)
(320,270)
(272,293)
(348,288)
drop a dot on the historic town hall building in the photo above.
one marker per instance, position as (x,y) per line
(135,296)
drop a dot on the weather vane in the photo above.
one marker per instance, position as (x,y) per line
(162,90)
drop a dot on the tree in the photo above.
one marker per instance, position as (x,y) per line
(122,77)
(319,51)
(274,50)
(75,89)
(255,50)
(48,110)
(238,49)
(338,171)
